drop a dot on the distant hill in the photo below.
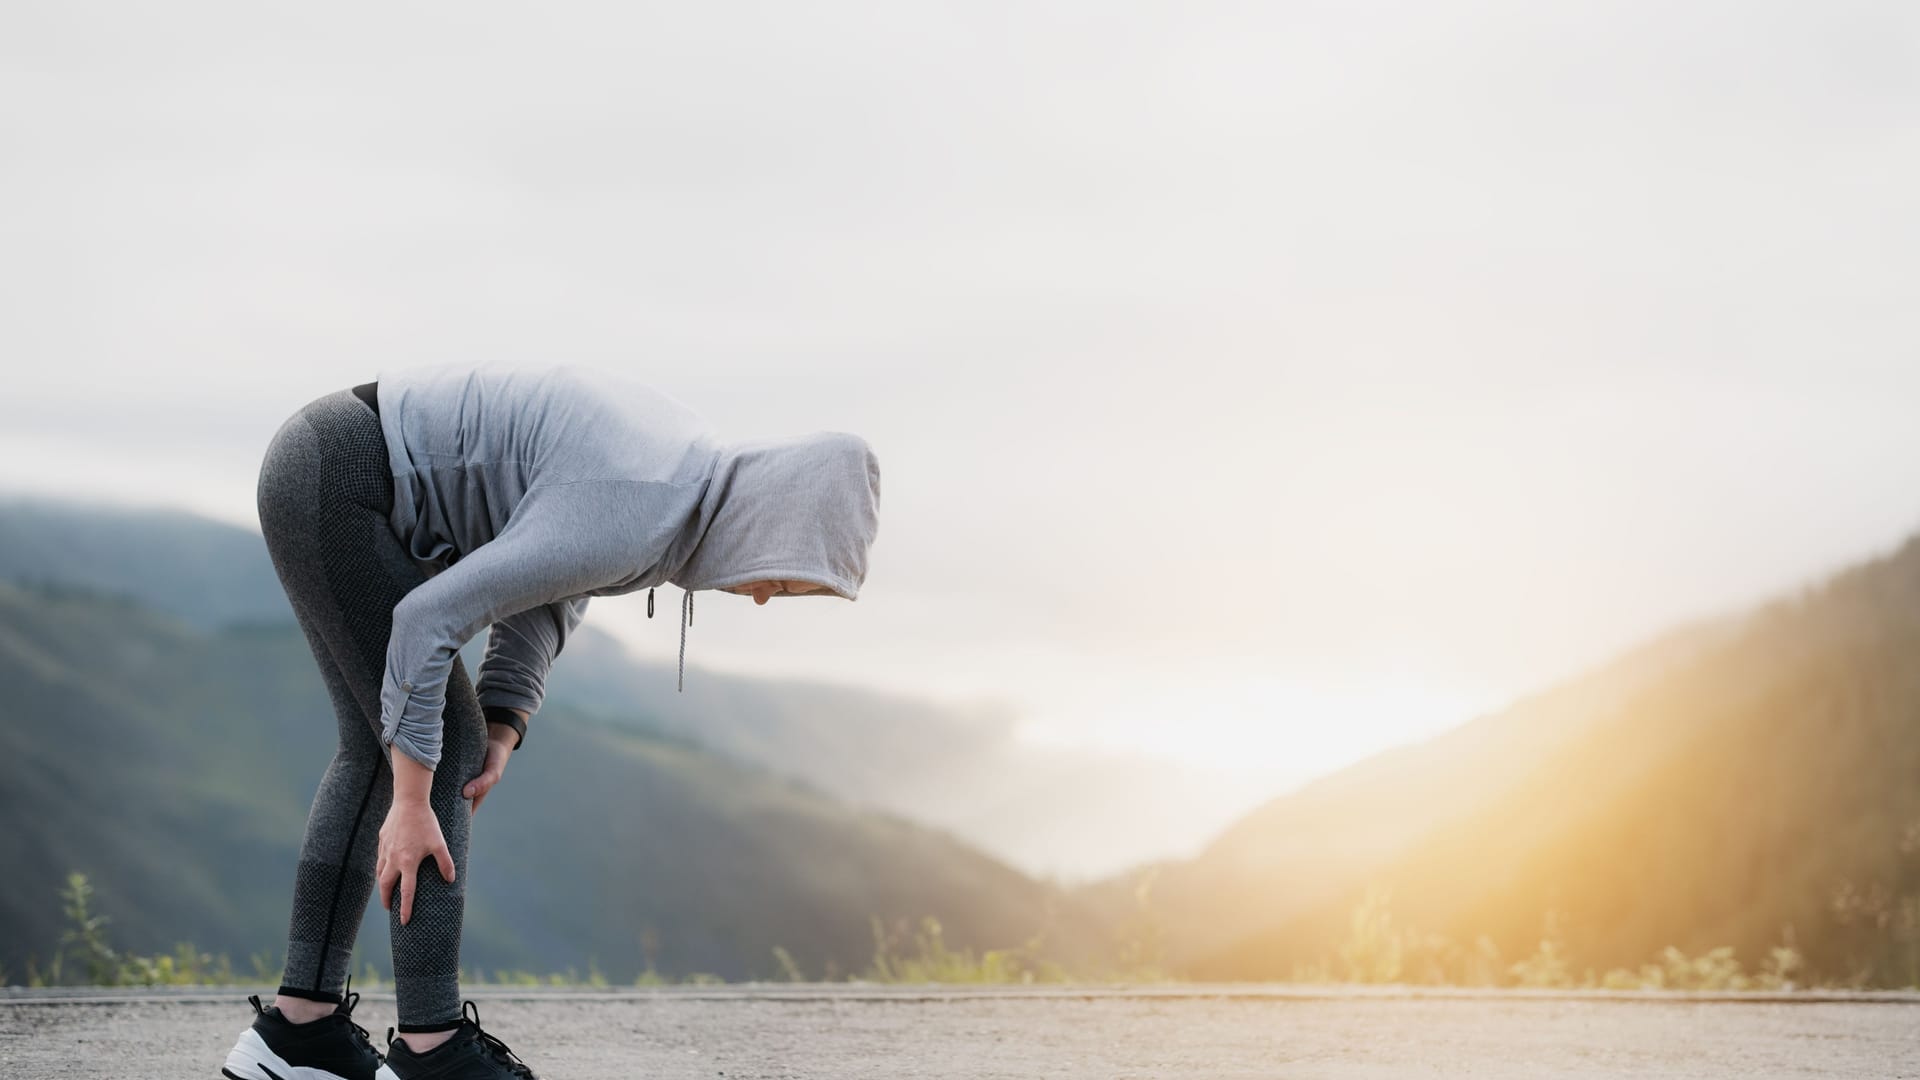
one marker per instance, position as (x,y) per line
(174,766)
(200,571)
(1718,787)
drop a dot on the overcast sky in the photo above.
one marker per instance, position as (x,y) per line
(1259,383)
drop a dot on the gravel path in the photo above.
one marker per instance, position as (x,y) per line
(849,1031)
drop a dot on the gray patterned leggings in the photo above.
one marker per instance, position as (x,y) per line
(324,496)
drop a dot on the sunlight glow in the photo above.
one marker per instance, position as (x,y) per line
(1266,725)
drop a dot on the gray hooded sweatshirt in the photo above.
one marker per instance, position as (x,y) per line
(523,491)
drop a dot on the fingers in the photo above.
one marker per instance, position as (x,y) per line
(407,841)
(477,800)
(490,770)
(445,860)
(479,785)
(407,882)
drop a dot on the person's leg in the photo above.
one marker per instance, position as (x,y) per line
(426,951)
(325,493)
(334,876)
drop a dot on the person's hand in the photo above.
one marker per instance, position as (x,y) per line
(411,835)
(500,740)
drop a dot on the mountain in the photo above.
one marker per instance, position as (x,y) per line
(1730,784)
(174,765)
(1305,849)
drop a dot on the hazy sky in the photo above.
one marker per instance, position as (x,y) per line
(1262,383)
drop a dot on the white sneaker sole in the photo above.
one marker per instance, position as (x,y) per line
(252,1059)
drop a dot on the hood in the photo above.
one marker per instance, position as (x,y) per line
(796,507)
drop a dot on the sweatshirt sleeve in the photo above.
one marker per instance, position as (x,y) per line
(520,653)
(559,544)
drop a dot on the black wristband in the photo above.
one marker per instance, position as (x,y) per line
(500,714)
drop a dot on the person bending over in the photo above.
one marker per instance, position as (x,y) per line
(405,515)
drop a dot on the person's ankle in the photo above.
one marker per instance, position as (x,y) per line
(302,1010)
(420,1042)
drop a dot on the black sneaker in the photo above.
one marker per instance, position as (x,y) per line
(330,1048)
(471,1054)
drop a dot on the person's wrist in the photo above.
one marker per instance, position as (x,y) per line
(412,780)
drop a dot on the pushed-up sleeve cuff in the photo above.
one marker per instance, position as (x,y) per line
(411,722)
(508,698)
(521,651)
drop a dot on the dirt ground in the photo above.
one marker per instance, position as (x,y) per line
(852,1031)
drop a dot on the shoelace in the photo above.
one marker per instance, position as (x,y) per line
(347,1001)
(492,1043)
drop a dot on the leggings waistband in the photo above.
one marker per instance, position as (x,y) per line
(365,392)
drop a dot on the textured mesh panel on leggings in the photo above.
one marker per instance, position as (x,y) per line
(324,497)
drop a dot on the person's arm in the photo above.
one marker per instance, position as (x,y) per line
(552,549)
(520,652)
(502,740)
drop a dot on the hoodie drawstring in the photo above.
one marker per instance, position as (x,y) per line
(686,620)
